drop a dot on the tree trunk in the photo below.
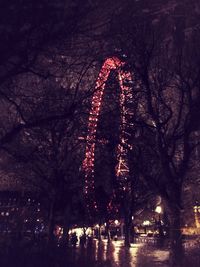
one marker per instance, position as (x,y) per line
(107,229)
(65,237)
(99,232)
(176,249)
(50,237)
(127,232)
(132,233)
(20,221)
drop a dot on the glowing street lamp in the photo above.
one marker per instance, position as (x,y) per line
(196,215)
(116,222)
(159,210)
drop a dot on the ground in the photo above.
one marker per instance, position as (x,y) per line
(98,254)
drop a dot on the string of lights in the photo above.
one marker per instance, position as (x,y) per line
(122,169)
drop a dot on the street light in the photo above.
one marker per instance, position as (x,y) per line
(145,224)
(116,222)
(158,210)
(196,216)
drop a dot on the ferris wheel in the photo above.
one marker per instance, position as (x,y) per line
(122,169)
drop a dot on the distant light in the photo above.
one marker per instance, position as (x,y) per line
(146,223)
(158,209)
(116,222)
(196,208)
(78,231)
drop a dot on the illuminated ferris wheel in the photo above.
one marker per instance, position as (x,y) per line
(122,169)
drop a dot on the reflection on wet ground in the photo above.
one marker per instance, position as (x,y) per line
(114,254)
(97,254)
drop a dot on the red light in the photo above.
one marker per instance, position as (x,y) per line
(122,169)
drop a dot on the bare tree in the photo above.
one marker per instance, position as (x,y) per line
(51,153)
(165,105)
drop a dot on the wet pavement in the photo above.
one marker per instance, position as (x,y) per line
(114,254)
(99,254)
